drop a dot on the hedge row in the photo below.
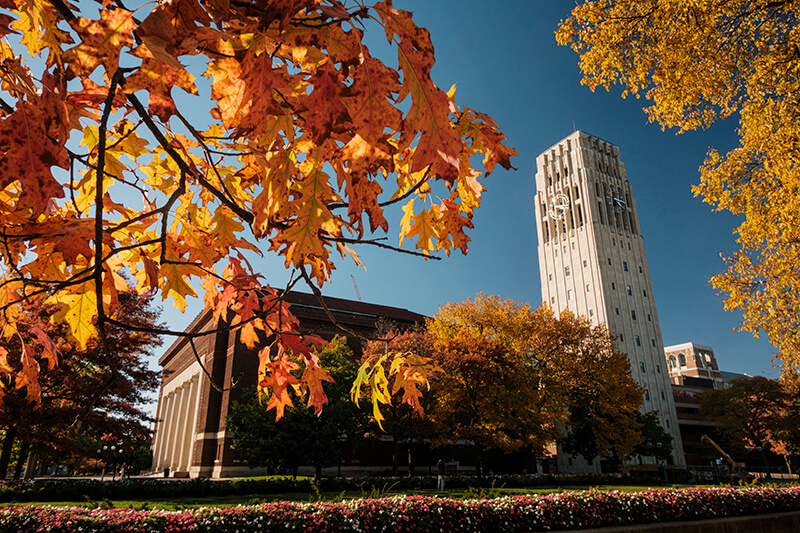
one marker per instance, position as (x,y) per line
(420,514)
(43,490)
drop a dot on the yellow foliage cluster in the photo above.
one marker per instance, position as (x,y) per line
(699,61)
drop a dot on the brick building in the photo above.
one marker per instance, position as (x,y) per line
(190,438)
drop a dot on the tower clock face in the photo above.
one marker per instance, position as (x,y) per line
(559,205)
(616,199)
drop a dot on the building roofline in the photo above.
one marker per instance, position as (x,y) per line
(688,345)
(305,300)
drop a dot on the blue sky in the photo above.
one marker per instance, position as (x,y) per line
(505,62)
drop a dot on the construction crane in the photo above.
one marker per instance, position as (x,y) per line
(355,286)
(738,470)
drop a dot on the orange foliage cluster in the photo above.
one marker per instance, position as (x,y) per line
(309,140)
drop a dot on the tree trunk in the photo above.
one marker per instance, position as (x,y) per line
(30,466)
(5,455)
(23,455)
(410,444)
(395,453)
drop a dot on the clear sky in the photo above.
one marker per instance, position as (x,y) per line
(504,59)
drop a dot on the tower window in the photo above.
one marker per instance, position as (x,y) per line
(569,294)
(638,342)
(654,342)
(628,288)
(621,338)
(617,309)
(662,395)
(644,292)
(648,317)
(641,366)
(640,270)
(614,242)
(550,277)
(591,312)
(633,314)
(629,246)
(552,299)
(585,263)
(658,369)
(682,359)
(613,286)
(647,395)
(566,271)
(588,288)
(625,266)
(667,421)
(609,260)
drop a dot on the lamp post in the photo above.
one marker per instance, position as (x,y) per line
(340,441)
(114,453)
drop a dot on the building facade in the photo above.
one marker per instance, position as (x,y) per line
(592,261)
(199,385)
(693,370)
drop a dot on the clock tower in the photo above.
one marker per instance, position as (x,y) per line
(592,261)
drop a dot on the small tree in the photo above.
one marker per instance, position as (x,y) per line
(302,437)
(656,441)
(90,397)
(750,412)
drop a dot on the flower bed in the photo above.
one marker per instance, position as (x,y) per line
(568,510)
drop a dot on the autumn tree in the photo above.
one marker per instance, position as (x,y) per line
(515,378)
(301,437)
(89,398)
(749,412)
(697,62)
(112,162)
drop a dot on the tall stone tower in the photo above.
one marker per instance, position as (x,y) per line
(592,261)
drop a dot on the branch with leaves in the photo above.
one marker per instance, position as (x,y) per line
(306,142)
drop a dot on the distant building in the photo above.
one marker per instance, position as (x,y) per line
(693,370)
(190,438)
(592,261)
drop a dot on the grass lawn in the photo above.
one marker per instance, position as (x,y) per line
(250,499)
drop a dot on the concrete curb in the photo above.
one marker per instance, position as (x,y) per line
(764,523)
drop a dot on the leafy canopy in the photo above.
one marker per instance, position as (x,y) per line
(515,377)
(308,141)
(697,62)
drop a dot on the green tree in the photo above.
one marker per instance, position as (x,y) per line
(301,437)
(697,62)
(656,441)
